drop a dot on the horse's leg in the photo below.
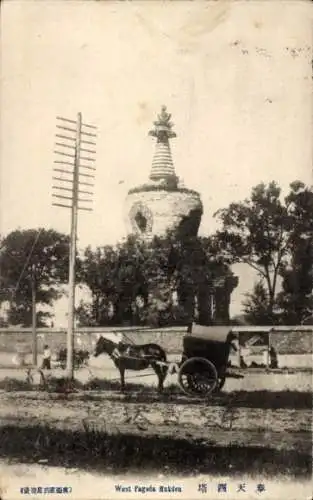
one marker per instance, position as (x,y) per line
(161,372)
(122,373)
(164,370)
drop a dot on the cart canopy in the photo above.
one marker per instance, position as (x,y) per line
(212,333)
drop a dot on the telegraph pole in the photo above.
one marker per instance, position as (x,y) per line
(76,136)
(34,316)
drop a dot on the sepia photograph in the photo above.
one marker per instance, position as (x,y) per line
(156,250)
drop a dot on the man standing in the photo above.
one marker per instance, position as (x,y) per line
(46,363)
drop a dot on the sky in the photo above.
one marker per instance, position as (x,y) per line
(236,77)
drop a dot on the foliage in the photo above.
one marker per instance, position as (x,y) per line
(120,278)
(115,279)
(154,283)
(296,298)
(256,306)
(255,232)
(33,262)
(266,234)
(87,447)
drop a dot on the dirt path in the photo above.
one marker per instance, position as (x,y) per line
(103,368)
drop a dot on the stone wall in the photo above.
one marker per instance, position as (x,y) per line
(168,208)
(12,341)
(171,339)
(292,342)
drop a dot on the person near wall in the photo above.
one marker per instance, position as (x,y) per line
(273,358)
(46,363)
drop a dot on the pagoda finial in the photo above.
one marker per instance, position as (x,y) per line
(163,126)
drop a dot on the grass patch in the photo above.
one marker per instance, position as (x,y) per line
(14,385)
(271,399)
(139,393)
(97,384)
(62,384)
(238,399)
(122,453)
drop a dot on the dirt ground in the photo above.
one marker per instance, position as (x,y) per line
(7,359)
(103,368)
(220,422)
(229,432)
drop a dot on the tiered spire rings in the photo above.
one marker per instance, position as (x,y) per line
(162,163)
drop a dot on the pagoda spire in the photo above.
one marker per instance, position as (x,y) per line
(162,163)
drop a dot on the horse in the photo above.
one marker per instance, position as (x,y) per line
(133,357)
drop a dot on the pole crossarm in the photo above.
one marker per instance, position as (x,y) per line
(75,202)
(62,188)
(61,205)
(86,184)
(64,145)
(62,179)
(89,126)
(66,120)
(64,154)
(85,192)
(70,206)
(63,162)
(88,150)
(87,175)
(89,134)
(88,142)
(62,171)
(87,167)
(63,197)
(60,136)
(66,128)
(86,209)
(86,158)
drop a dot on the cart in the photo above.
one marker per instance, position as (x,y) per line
(80,358)
(203,367)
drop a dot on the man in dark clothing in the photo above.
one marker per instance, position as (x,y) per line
(46,363)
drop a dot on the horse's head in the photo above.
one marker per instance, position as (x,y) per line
(106,343)
(103,346)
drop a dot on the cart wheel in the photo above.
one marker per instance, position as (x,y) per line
(198,377)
